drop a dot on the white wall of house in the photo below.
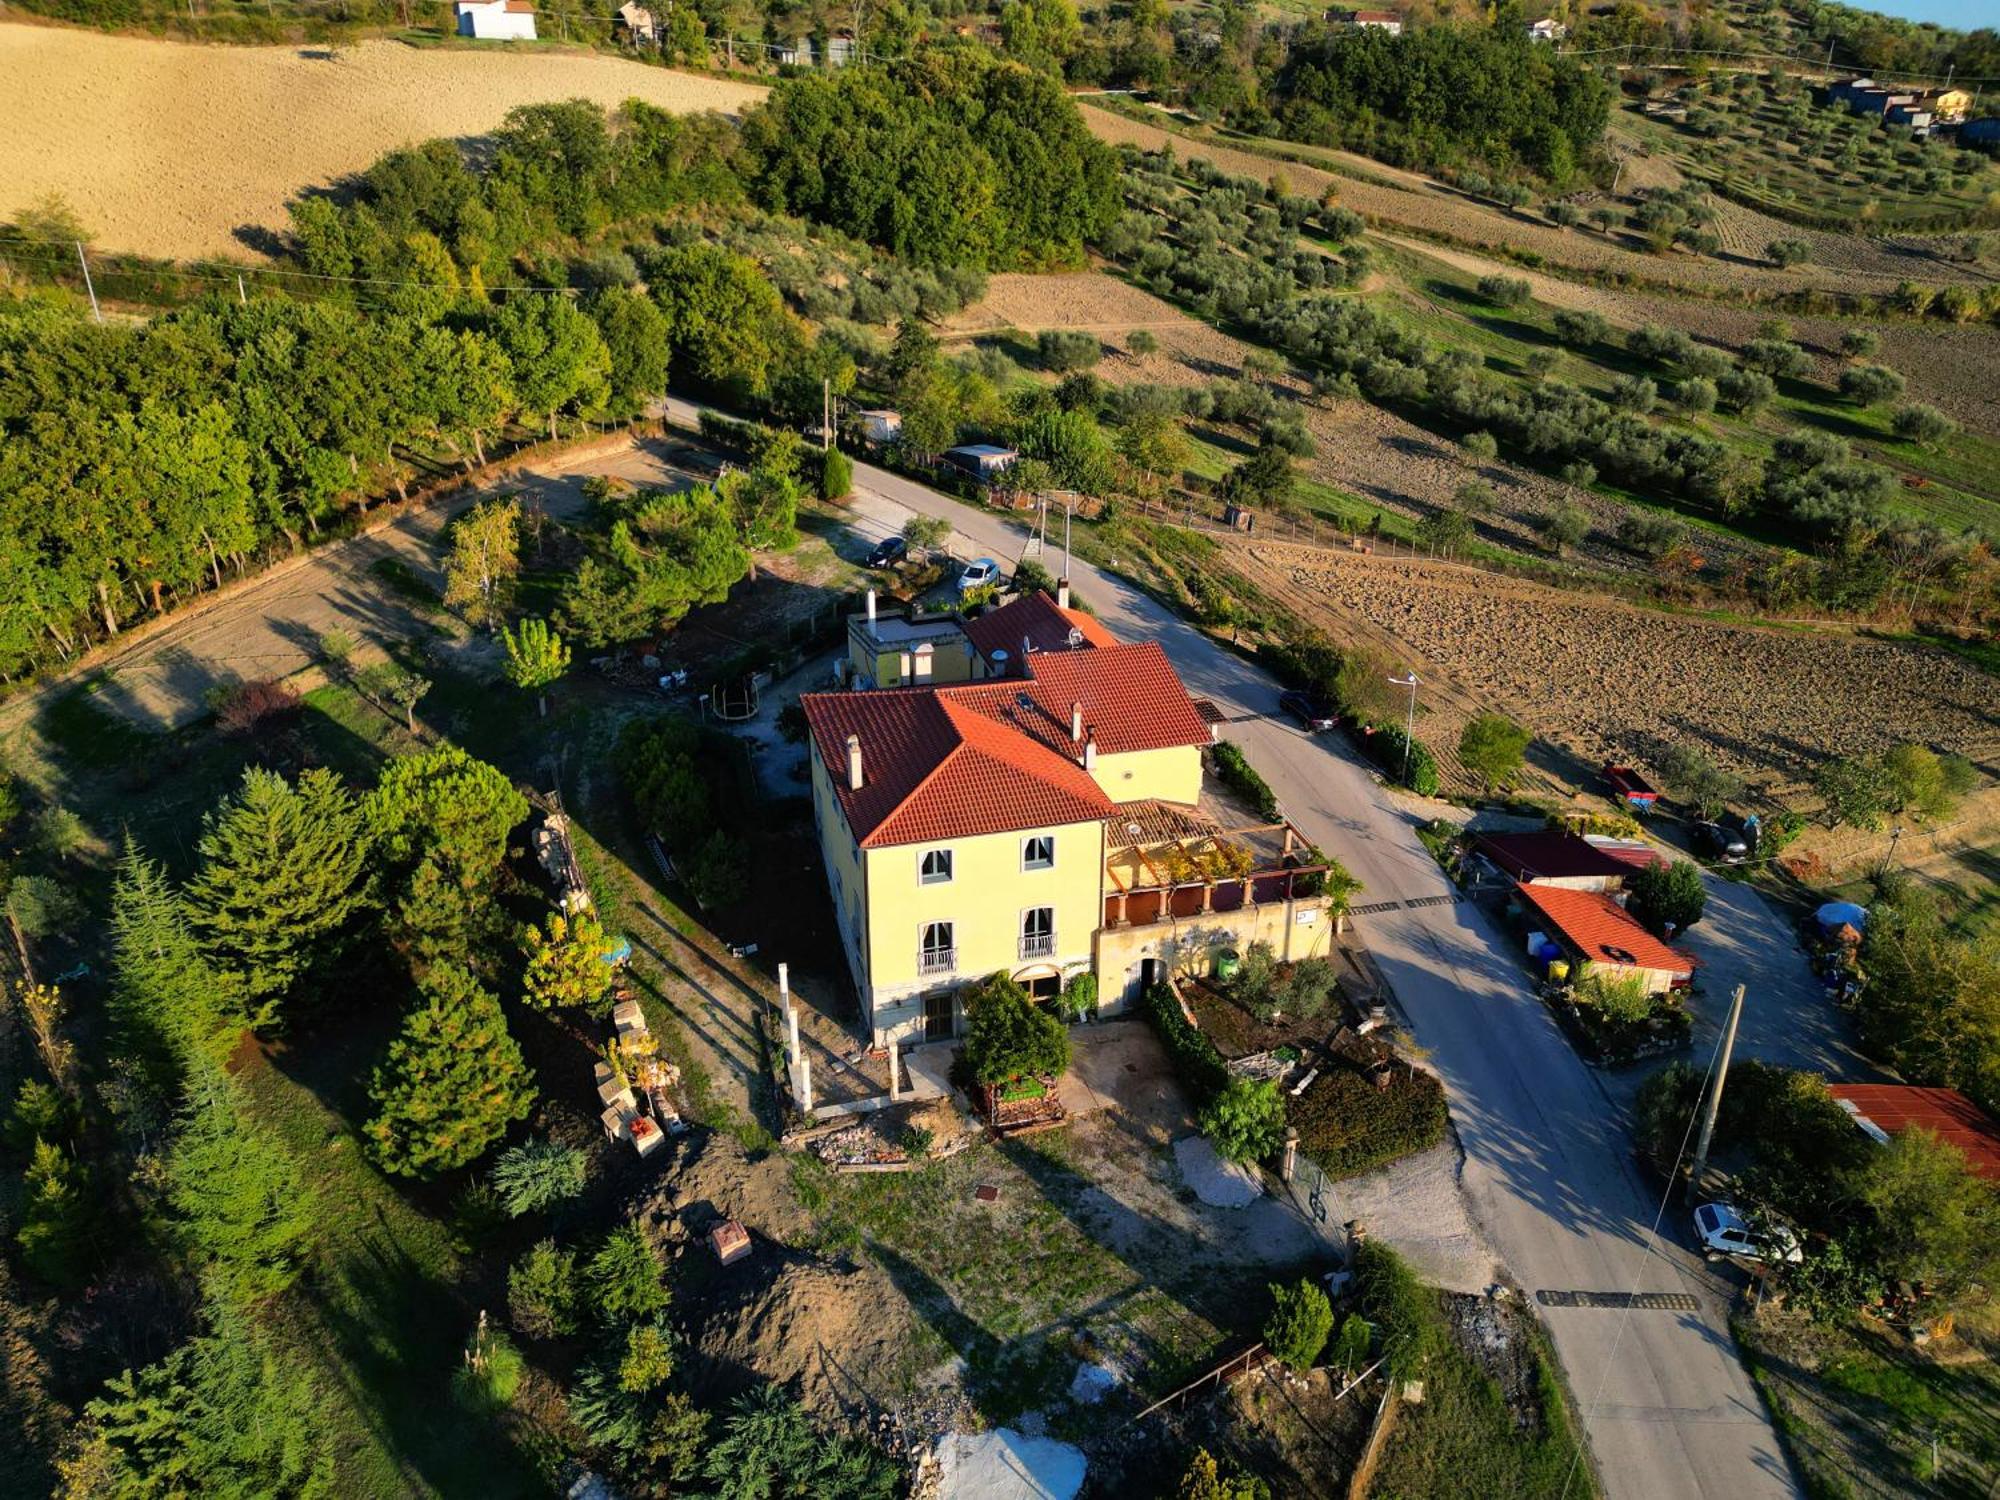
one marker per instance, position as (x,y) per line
(492,21)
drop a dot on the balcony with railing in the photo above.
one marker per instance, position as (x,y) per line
(1165,861)
(937,960)
(1038,944)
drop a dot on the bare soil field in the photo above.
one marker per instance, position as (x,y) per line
(1431,207)
(167,149)
(1602,679)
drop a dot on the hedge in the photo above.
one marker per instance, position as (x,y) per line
(1347,1125)
(1195,1058)
(1385,747)
(1240,776)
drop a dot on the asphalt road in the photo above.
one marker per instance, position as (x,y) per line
(1549,1172)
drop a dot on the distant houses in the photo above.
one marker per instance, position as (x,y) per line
(1546,31)
(1920,109)
(638,23)
(497,20)
(1367,20)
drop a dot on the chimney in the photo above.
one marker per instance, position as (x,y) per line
(871,608)
(1090,750)
(1062,593)
(1075,722)
(854,762)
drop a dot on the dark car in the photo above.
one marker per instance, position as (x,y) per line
(1724,842)
(888,552)
(1313,712)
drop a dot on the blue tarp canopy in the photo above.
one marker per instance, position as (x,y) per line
(1842,914)
(618,952)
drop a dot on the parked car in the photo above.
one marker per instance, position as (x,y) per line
(1313,712)
(978,575)
(1722,1230)
(888,552)
(1722,841)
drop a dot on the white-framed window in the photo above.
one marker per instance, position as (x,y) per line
(1039,852)
(937,953)
(1038,932)
(935,867)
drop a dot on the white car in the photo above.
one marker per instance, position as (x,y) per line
(978,575)
(1723,1230)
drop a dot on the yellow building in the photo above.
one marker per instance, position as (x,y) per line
(912,649)
(1046,823)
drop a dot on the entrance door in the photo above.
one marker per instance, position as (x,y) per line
(938,1016)
(1149,974)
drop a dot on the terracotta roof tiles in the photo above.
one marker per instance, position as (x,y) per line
(1601,930)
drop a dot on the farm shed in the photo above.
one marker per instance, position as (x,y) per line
(497,20)
(881,426)
(1551,858)
(1594,930)
(1883,1110)
(983,461)
(638,23)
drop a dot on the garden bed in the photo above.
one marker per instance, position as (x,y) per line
(1358,1115)
(1238,1033)
(1611,1040)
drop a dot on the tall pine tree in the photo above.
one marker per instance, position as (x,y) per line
(440,819)
(169,1001)
(282,869)
(222,1416)
(239,1207)
(451,1083)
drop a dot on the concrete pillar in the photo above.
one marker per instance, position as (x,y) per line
(1290,1162)
(805,1086)
(792,1031)
(895,1064)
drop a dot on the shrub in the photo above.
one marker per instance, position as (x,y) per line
(1206,1479)
(1665,892)
(258,707)
(1778,358)
(1299,1325)
(1859,343)
(1245,1121)
(1404,1311)
(1634,393)
(1649,535)
(1139,341)
(1505,291)
(1404,758)
(1348,1126)
(1350,1348)
(1622,998)
(1492,747)
(1695,394)
(1580,472)
(1008,1036)
(623,1278)
(1577,329)
(1564,527)
(536,1175)
(1921,424)
(1786,253)
(1481,447)
(1196,1060)
(836,475)
(1241,777)
(542,1291)
(485,1383)
(1870,385)
(1079,996)
(1065,349)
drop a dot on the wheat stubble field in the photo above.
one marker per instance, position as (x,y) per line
(166,148)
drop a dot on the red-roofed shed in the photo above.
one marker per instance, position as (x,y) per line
(1887,1109)
(1552,858)
(1594,929)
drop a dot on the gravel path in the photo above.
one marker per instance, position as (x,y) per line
(168,148)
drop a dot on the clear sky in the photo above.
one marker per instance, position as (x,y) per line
(1961,15)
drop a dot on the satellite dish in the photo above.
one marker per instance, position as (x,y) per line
(1075,638)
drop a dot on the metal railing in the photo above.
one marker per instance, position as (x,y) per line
(937,960)
(1037,944)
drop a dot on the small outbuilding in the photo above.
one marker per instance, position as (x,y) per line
(985,462)
(1597,935)
(881,425)
(1886,1110)
(497,20)
(1553,858)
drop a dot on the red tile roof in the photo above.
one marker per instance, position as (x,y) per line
(1893,1107)
(983,757)
(1599,929)
(1549,856)
(1037,618)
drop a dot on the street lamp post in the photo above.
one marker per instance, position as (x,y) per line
(1410,724)
(1895,837)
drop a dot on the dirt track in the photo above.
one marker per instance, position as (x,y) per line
(168,148)
(1604,679)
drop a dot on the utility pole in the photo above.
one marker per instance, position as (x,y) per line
(241,295)
(95,311)
(1714,1106)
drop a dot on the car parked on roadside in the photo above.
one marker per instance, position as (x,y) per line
(978,575)
(1723,1231)
(1722,841)
(888,552)
(1313,712)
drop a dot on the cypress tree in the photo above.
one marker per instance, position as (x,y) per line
(168,1000)
(281,871)
(237,1201)
(451,1083)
